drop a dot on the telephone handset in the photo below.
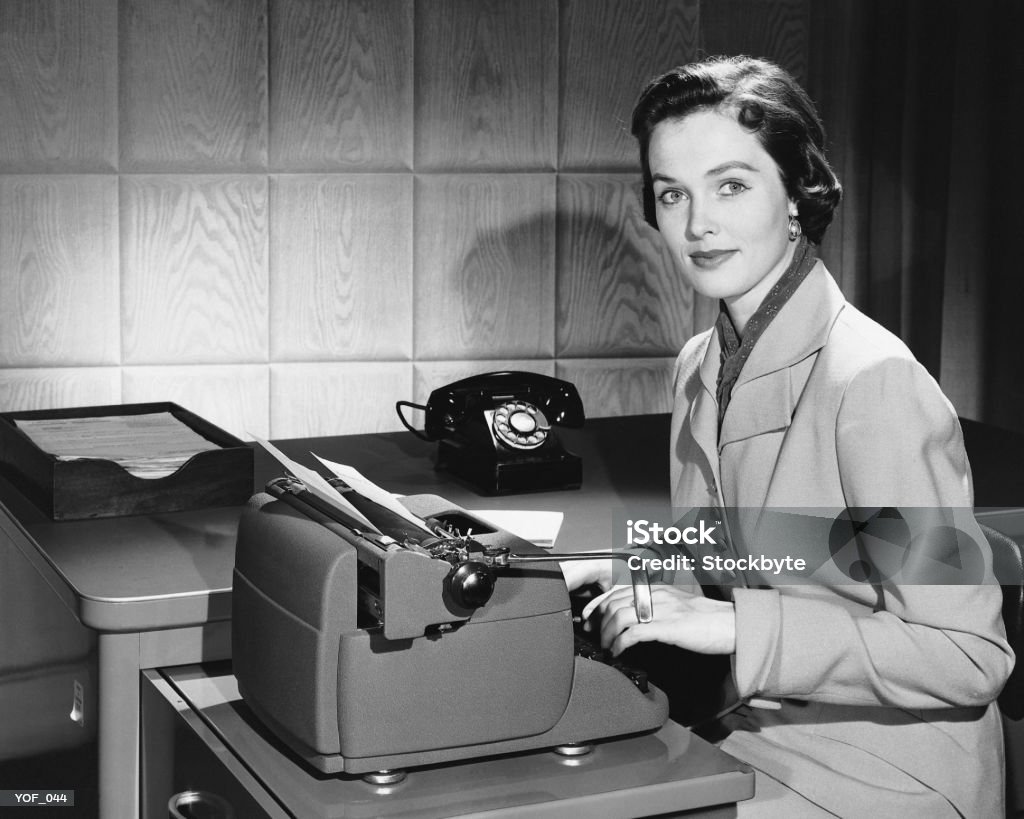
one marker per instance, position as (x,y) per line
(496,430)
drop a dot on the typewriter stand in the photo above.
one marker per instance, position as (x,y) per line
(198,735)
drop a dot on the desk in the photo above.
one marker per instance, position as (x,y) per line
(119,596)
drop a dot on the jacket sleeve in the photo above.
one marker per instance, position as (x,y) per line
(922,644)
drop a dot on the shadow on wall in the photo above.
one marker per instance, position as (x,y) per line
(576,283)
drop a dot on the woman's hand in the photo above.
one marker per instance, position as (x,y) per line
(579,573)
(690,621)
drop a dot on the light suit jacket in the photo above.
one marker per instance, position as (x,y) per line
(886,689)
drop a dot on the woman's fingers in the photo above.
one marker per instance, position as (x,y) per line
(680,618)
(579,573)
(617,618)
(639,633)
(599,601)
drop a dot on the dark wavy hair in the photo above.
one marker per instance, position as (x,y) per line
(771,105)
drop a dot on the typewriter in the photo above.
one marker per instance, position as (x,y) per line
(371,650)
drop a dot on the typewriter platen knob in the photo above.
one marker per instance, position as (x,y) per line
(471,584)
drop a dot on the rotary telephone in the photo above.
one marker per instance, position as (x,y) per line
(496,431)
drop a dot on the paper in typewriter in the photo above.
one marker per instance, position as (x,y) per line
(540,528)
(152,445)
(368,489)
(315,483)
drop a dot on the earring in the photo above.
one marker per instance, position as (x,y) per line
(795,229)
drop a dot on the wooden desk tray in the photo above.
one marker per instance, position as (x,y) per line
(96,488)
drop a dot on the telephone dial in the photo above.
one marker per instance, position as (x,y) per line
(496,431)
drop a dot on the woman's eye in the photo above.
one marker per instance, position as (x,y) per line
(733,188)
(670,197)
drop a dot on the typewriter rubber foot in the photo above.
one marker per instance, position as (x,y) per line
(384,777)
(574,749)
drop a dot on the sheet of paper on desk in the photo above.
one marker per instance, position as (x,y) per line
(151,445)
(540,528)
(315,483)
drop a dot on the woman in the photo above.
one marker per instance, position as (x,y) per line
(854,698)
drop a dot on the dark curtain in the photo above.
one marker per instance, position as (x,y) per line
(924,103)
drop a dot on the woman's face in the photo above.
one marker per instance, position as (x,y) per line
(722,208)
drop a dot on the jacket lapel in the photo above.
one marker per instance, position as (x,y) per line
(704,407)
(765,395)
(765,405)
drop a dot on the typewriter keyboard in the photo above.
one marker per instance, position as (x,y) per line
(589,650)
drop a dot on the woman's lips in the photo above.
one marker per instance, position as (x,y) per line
(710,259)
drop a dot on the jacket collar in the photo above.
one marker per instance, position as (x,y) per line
(768,387)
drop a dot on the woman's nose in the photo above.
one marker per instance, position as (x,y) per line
(701,221)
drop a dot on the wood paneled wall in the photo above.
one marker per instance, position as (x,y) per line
(287,214)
